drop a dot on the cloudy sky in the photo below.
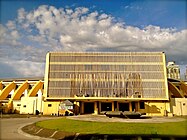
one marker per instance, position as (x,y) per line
(31,28)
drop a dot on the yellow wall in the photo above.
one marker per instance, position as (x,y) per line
(46,75)
(29,105)
(179,106)
(156,108)
(151,108)
(50,110)
(16,106)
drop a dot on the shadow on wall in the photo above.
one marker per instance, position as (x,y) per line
(152,109)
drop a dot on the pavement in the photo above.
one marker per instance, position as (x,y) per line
(11,128)
(143,119)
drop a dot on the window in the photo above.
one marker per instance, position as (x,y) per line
(142,105)
(17,86)
(88,67)
(9,96)
(24,105)
(49,105)
(30,87)
(18,104)
(69,107)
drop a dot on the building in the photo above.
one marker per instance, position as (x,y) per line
(96,82)
(186,74)
(21,95)
(173,70)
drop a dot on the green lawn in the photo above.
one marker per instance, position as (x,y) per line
(83,127)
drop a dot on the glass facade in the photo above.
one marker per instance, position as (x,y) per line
(99,74)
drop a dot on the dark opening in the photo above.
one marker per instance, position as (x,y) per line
(142,105)
(49,105)
(37,112)
(115,106)
(17,86)
(88,107)
(106,106)
(9,96)
(133,106)
(123,106)
(30,87)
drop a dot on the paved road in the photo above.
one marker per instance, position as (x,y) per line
(10,128)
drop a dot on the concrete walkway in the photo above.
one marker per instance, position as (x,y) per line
(103,118)
(11,128)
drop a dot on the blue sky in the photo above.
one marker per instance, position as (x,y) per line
(31,28)
(163,13)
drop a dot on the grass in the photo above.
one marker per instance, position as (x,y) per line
(85,127)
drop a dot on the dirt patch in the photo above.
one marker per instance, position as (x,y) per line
(32,129)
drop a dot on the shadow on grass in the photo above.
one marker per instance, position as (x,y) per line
(123,137)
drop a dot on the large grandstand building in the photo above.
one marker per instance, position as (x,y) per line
(95,82)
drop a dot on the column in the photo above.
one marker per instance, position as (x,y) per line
(95,108)
(130,106)
(82,108)
(117,106)
(138,106)
(113,106)
(99,107)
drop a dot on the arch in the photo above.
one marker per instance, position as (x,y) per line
(174,90)
(173,80)
(7,90)
(17,94)
(183,87)
(1,86)
(35,88)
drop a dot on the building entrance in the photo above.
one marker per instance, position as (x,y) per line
(88,107)
(106,106)
(134,106)
(123,106)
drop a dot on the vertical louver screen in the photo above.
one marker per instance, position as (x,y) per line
(119,75)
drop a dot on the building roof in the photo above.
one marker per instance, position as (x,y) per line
(67,103)
(22,79)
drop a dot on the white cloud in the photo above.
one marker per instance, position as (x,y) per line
(11,25)
(14,34)
(21,14)
(21,68)
(50,29)
(9,37)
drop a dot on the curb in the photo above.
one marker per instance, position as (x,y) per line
(20,131)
